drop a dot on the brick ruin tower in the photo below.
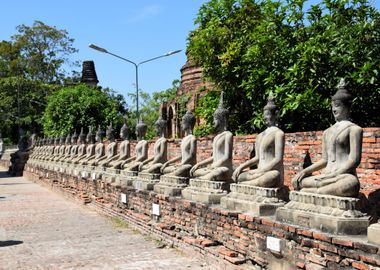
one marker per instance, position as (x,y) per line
(89,74)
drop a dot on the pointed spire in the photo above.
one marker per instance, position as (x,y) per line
(342,93)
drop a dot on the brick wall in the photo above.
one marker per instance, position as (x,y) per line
(233,237)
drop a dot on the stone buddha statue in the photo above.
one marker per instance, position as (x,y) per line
(269,154)
(154,164)
(56,149)
(141,149)
(61,150)
(219,166)
(74,147)
(188,155)
(341,154)
(111,149)
(99,149)
(81,149)
(67,148)
(124,149)
(90,149)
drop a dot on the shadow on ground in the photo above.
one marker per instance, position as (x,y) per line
(10,243)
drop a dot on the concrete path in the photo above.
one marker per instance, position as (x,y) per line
(42,230)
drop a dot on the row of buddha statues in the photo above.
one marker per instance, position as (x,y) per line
(327,200)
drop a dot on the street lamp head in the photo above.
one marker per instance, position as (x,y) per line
(100,49)
(172,52)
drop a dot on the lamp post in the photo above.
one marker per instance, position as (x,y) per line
(100,49)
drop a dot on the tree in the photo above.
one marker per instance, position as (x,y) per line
(251,48)
(72,108)
(43,51)
(149,108)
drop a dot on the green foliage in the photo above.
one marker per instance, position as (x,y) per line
(43,50)
(71,108)
(250,48)
(205,109)
(22,102)
(149,108)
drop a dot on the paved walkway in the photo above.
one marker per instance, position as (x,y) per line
(42,230)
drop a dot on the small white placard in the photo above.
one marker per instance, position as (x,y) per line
(123,198)
(155,209)
(138,184)
(274,244)
(93,176)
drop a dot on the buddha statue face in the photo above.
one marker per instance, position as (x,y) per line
(270,118)
(340,110)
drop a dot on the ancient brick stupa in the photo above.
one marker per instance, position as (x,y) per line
(89,74)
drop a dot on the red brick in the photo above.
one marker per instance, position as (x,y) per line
(333,258)
(366,247)
(329,248)
(360,266)
(300,265)
(267,222)
(208,243)
(235,260)
(316,259)
(322,237)
(227,252)
(241,216)
(249,218)
(313,266)
(343,242)
(369,259)
(305,233)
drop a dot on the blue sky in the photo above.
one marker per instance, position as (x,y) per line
(134,29)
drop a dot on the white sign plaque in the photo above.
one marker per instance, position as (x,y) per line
(274,244)
(123,198)
(155,209)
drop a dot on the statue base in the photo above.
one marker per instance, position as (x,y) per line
(171,185)
(125,179)
(327,213)
(374,234)
(110,174)
(205,191)
(146,181)
(258,201)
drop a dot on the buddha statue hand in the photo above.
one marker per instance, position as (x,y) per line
(193,169)
(296,181)
(236,174)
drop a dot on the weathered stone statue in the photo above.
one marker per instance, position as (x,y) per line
(269,154)
(149,174)
(99,149)
(257,190)
(124,149)
(131,165)
(90,149)
(219,166)
(176,175)
(67,148)
(212,176)
(328,201)
(74,147)
(81,149)
(341,154)
(111,148)
(141,149)
(61,149)
(188,155)
(154,164)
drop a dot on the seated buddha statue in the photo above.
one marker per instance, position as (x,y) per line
(218,167)
(124,149)
(269,154)
(99,149)
(188,155)
(341,154)
(81,149)
(90,148)
(110,150)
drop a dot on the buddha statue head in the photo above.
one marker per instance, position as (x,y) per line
(124,131)
(62,140)
(110,133)
(141,129)
(188,122)
(161,126)
(90,138)
(99,135)
(82,137)
(74,138)
(341,102)
(68,139)
(271,112)
(221,116)
(56,141)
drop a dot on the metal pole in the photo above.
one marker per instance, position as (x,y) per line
(137,94)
